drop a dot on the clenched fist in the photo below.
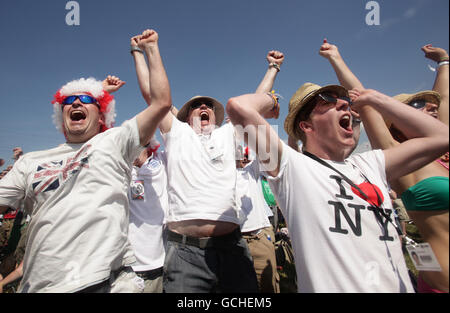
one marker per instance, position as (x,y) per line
(276,57)
(328,50)
(148,38)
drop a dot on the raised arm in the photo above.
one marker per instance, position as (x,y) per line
(161,101)
(375,127)
(426,142)
(344,74)
(141,68)
(442,80)
(248,114)
(143,76)
(275,60)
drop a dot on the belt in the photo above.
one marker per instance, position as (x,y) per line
(151,274)
(205,242)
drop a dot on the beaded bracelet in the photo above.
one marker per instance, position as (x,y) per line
(276,104)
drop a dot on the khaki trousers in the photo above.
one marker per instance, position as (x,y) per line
(262,249)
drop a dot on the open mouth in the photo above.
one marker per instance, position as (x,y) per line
(346,123)
(204,116)
(77,115)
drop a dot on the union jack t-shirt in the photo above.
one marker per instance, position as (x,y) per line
(77,196)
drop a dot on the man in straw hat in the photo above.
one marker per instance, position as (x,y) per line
(205,249)
(77,237)
(337,206)
(425,191)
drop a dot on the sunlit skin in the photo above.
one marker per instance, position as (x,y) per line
(431,109)
(329,130)
(81,121)
(432,225)
(202,119)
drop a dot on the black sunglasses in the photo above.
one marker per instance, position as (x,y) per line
(331,99)
(418,104)
(198,104)
(305,112)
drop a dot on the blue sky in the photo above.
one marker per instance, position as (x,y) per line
(209,47)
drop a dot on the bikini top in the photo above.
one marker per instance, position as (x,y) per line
(430,194)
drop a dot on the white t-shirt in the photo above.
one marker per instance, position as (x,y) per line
(250,198)
(338,240)
(148,206)
(201,173)
(78,231)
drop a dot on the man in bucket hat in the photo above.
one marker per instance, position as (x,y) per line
(205,249)
(77,237)
(337,206)
(203,224)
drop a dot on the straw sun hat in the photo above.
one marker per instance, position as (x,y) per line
(219,111)
(427,95)
(298,101)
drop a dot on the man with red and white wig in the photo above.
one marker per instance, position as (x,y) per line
(77,237)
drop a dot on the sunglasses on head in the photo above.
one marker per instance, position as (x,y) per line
(85,99)
(196,105)
(418,104)
(331,99)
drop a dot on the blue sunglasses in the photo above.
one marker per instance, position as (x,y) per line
(85,99)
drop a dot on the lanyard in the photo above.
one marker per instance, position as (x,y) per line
(351,183)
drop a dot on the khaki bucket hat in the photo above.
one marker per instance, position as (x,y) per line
(219,110)
(300,98)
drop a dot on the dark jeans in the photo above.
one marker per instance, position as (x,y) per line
(226,266)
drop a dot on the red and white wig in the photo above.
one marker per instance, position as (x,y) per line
(89,86)
(153,146)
